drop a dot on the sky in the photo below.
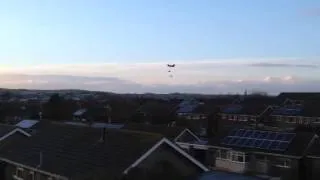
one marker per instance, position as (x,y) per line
(221,46)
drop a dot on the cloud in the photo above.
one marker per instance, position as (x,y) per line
(212,76)
(271,85)
(272,65)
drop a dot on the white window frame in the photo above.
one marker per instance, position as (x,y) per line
(15,176)
(230,154)
(243,118)
(223,116)
(218,154)
(237,154)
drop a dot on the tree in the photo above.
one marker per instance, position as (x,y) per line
(213,122)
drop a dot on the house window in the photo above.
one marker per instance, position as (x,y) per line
(243,118)
(19,174)
(222,154)
(223,116)
(237,156)
(30,176)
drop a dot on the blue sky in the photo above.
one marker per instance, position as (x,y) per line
(60,34)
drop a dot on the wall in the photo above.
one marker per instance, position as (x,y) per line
(313,168)
(10,170)
(238,167)
(185,167)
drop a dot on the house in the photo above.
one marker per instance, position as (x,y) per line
(155,112)
(171,133)
(7,130)
(256,152)
(250,109)
(296,112)
(186,109)
(57,151)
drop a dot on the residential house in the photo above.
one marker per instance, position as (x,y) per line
(248,109)
(257,152)
(155,112)
(172,133)
(296,112)
(57,151)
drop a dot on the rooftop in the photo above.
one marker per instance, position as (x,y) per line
(74,151)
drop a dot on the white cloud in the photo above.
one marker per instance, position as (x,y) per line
(218,76)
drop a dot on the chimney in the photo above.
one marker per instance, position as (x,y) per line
(213,122)
(103,135)
(40,160)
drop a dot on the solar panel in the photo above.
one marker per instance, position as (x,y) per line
(248,133)
(280,137)
(226,140)
(267,140)
(240,132)
(274,145)
(263,135)
(240,142)
(265,144)
(288,137)
(282,146)
(257,143)
(248,142)
(233,132)
(233,141)
(272,135)
(256,134)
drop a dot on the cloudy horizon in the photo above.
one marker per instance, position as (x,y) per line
(124,45)
(207,77)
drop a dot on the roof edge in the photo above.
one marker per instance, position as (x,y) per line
(175,147)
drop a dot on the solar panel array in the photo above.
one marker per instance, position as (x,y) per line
(233,109)
(186,109)
(287,111)
(267,140)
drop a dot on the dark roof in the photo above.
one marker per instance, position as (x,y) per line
(168,132)
(251,105)
(314,150)
(299,95)
(308,109)
(297,147)
(76,152)
(157,108)
(5,129)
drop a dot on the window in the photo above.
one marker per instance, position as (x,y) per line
(30,176)
(243,118)
(237,157)
(19,174)
(222,154)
